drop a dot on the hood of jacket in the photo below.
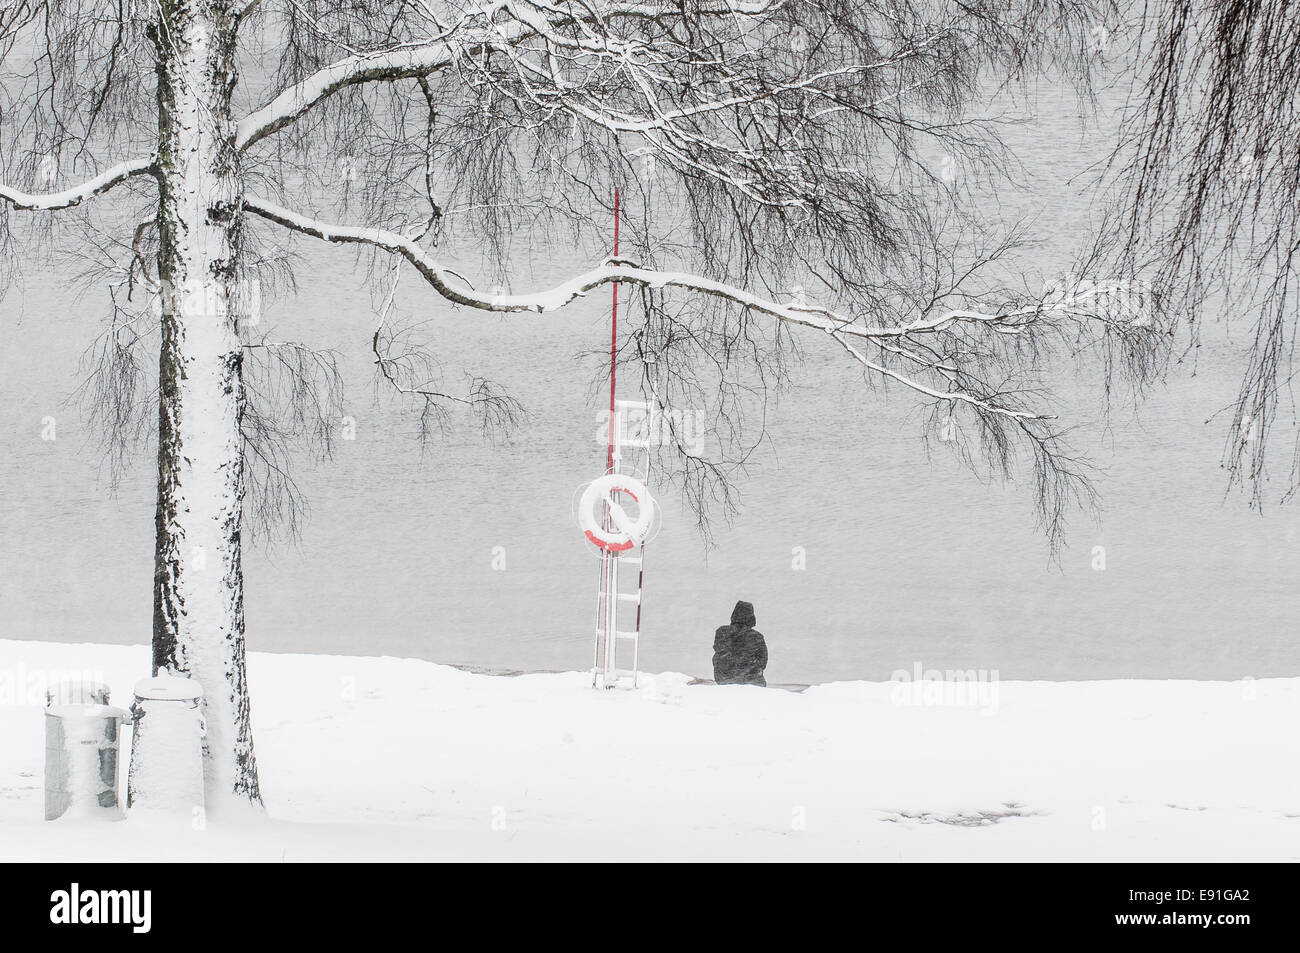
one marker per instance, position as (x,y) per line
(743,614)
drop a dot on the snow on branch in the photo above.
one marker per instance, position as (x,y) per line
(497,26)
(963,396)
(840,327)
(67,198)
(472,34)
(293,102)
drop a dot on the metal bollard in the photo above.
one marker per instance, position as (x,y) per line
(81,760)
(167,746)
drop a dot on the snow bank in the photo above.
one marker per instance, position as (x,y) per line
(388,759)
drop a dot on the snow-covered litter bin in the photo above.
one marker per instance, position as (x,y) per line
(81,762)
(166,746)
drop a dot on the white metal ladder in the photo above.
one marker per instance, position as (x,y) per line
(617,635)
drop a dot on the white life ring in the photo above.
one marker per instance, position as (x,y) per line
(626,531)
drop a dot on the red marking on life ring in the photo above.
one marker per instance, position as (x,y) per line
(612,547)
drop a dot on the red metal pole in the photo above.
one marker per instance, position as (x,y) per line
(613,349)
(607,558)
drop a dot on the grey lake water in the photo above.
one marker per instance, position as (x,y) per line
(906,557)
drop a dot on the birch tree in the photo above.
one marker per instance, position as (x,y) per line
(786,166)
(1206,188)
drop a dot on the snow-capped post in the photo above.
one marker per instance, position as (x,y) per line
(198,575)
(81,760)
(167,747)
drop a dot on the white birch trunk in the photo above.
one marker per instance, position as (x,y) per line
(198,626)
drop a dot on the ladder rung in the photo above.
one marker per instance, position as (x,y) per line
(628,635)
(630,559)
(630,596)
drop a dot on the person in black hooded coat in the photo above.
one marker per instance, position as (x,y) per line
(739,651)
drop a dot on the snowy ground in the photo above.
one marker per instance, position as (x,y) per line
(388,759)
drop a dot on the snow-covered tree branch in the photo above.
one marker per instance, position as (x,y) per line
(453,288)
(481,31)
(66,198)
